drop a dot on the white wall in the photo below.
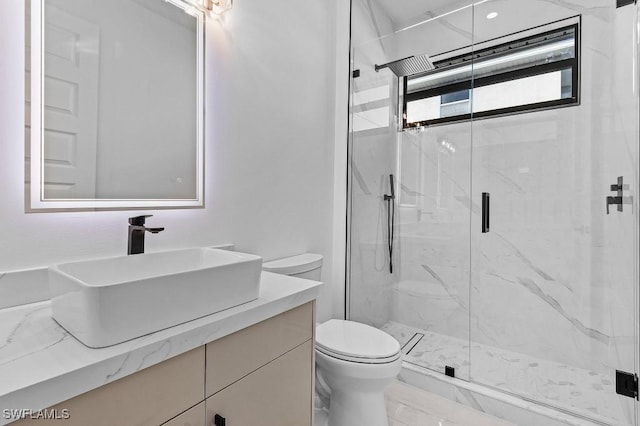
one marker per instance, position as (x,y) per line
(269,146)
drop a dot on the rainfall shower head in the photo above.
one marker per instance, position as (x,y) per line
(409,66)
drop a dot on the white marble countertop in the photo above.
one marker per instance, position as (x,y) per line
(41,364)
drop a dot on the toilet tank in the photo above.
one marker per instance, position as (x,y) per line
(307,265)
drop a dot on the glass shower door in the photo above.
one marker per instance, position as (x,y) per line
(424,302)
(554,279)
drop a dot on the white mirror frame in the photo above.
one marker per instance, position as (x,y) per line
(38,201)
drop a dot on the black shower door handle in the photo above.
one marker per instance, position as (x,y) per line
(485,212)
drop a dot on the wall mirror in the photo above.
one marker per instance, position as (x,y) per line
(114,114)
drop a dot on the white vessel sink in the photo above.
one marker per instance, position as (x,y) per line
(108,301)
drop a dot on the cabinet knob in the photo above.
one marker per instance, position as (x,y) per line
(218,420)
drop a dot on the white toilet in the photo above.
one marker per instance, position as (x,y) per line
(354,362)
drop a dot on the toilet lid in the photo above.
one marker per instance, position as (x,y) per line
(349,339)
(294,265)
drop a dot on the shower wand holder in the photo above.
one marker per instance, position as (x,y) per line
(392,189)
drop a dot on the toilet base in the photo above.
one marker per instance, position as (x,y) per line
(357,409)
(321,417)
(355,389)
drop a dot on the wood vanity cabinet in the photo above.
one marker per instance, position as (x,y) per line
(262,375)
(276,394)
(150,396)
(192,417)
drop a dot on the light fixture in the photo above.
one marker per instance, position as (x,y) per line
(218,7)
(492,15)
(211,7)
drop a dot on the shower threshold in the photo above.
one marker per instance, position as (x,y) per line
(567,389)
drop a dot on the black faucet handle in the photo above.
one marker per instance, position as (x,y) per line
(138,220)
(620,185)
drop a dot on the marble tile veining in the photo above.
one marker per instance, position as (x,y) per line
(544,306)
(41,364)
(410,406)
(566,387)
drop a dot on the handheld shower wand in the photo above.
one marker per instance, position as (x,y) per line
(391,212)
(393,191)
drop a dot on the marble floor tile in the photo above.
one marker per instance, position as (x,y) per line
(410,406)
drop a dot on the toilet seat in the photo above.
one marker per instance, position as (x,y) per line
(356,342)
(361,360)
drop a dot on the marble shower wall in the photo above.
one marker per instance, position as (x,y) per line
(375,147)
(372,159)
(564,266)
(556,277)
(435,206)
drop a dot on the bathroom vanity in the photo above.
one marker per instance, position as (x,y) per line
(251,364)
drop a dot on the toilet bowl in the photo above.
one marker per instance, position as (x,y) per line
(354,362)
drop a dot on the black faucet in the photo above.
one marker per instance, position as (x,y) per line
(136,234)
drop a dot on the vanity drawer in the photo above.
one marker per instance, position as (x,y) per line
(238,354)
(277,394)
(149,397)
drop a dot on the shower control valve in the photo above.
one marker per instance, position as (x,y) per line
(619,199)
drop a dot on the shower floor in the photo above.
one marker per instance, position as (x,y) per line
(587,393)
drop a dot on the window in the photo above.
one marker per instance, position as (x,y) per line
(536,72)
